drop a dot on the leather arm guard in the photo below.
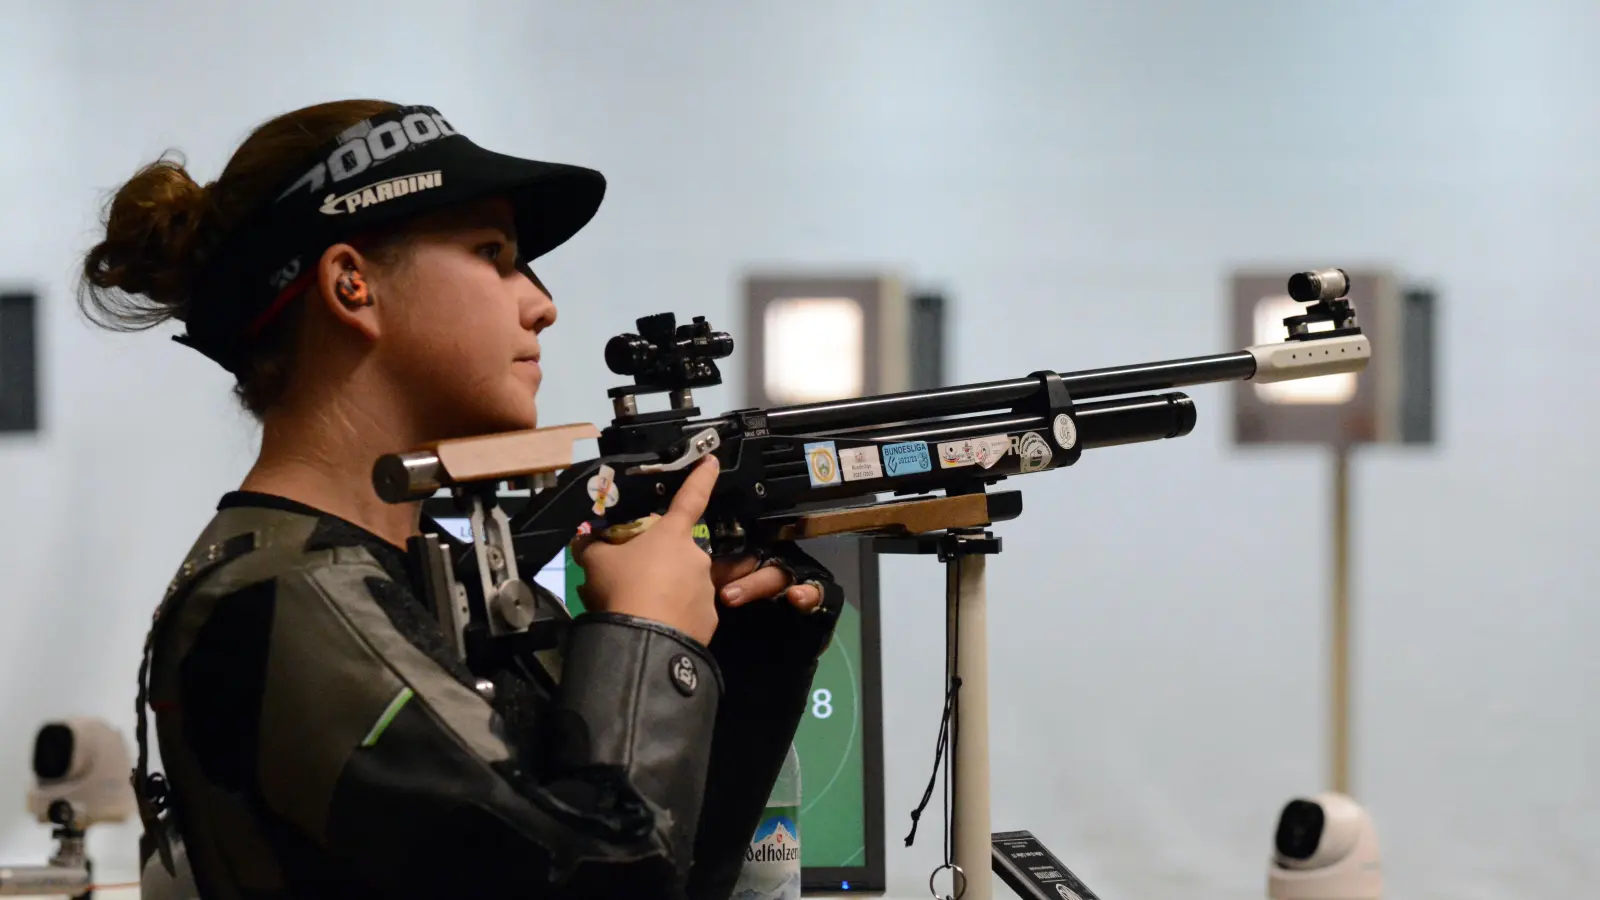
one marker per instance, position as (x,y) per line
(639,700)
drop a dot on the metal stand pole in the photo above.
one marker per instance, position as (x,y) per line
(970,801)
(967,660)
(1339,730)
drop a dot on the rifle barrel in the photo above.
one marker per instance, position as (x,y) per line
(993,396)
(1101,423)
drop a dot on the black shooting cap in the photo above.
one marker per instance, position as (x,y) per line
(381,171)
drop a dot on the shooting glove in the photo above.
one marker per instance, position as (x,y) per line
(802,568)
(771,635)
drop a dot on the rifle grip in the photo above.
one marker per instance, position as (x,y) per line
(627,531)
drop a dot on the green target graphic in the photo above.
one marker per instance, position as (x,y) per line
(829,744)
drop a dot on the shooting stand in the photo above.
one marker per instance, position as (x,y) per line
(954,528)
(966,730)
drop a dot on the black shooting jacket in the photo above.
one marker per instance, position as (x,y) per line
(319,738)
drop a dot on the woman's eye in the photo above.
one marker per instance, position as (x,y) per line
(492,251)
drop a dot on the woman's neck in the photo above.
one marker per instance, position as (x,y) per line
(323,457)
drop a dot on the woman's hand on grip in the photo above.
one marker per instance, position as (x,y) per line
(661,574)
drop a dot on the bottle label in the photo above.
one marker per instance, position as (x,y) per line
(772,861)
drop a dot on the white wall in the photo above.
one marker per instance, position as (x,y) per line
(1079,177)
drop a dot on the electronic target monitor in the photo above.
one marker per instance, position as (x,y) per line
(840,740)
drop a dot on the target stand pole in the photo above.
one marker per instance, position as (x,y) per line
(967,657)
(1339,674)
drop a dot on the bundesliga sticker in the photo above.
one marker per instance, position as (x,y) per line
(909,458)
(860,463)
(822,463)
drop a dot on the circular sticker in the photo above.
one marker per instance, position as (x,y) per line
(952,455)
(685,677)
(989,450)
(1033,452)
(1066,433)
(603,491)
(822,465)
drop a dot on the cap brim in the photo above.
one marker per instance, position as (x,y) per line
(551,201)
(404,163)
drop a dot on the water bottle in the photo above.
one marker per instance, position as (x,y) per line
(772,861)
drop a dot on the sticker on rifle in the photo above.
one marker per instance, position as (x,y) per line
(992,449)
(860,463)
(1066,432)
(603,490)
(908,458)
(981,451)
(1033,452)
(822,463)
(956,453)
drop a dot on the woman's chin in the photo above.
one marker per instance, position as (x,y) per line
(515,415)
(524,416)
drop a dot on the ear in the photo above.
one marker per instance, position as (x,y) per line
(345,287)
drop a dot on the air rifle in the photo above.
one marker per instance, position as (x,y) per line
(911,463)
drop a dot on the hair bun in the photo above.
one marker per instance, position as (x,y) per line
(140,273)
